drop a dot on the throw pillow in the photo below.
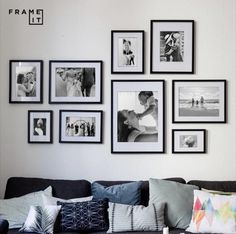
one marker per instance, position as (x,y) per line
(178,199)
(84,216)
(127,193)
(218,192)
(48,200)
(15,210)
(41,219)
(124,218)
(213,213)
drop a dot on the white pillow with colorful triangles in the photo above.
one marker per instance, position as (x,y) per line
(213,213)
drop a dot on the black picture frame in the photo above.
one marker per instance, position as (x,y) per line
(182,64)
(26,81)
(188,143)
(195,106)
(131,144)
(82,91)
(72,135)
(40,126)
(133,61)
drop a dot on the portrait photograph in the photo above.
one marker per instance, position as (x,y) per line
(199,101)
(172,46)
(127,52)
(75,82)
(137,116)
(189,141)
(25,81)
(80,126)
(40,126)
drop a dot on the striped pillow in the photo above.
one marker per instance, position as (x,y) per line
(124,218)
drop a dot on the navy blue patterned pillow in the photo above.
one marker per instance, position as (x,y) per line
(84,216)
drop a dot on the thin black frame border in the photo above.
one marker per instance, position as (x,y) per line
(82,142)
(75,61)
(189,130)
(51,126)
(163,151)
(193,46)
(195,81)
(112,51)
(41,81)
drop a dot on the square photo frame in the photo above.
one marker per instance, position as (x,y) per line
(172,46)
(40,124)
(199,101)
(80,126)
(25,81)
(75,82)
(127,51)
(138,116)
(189,141)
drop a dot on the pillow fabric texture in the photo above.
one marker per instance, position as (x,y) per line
(41,219)
(124,218)
(213,213)
(52,201)
(218,192)
(178,199)
(84,216)
(15,210)
(127,193)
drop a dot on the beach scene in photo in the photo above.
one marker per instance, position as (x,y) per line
(199,101)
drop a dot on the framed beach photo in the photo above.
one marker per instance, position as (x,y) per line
(75,82)
(172,46)
(80,126)
(25,81)
(189,141)
(127,51)
(199,101)
(138,116)
(40,124)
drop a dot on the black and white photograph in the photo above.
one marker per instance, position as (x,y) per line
(25,81)
(189,141)
(80,126)
(40,126)
(75,82)
(199,101)
(127,52)
(137,116)
(172,46)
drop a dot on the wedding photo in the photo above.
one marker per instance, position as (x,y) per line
(40,126)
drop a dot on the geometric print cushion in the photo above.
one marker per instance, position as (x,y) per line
(41,219)
(84,216)
(213,213)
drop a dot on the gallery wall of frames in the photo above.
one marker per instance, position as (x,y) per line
(138,106)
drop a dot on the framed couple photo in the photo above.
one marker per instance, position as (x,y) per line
(138,116)
(172,46)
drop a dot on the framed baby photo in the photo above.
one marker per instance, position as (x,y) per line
(75,82)
(189,141)
(199,101)
(138,116)
(40,124)
(172,46)
(127,52)
(25,81)
(80,126)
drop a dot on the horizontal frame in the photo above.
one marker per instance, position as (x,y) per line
(65,89)
(189,141)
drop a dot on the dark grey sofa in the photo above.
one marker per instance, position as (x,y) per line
(67,189)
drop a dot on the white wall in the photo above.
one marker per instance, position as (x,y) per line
(80,29)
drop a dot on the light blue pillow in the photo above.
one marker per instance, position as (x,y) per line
(127,193)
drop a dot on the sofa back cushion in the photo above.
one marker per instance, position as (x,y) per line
(65,189)
(225,186)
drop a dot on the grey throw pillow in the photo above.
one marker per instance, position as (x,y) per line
(178,199)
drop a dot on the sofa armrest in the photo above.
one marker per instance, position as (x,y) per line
(4,225)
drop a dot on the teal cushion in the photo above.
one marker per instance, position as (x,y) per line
(178,198)
(127,193)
